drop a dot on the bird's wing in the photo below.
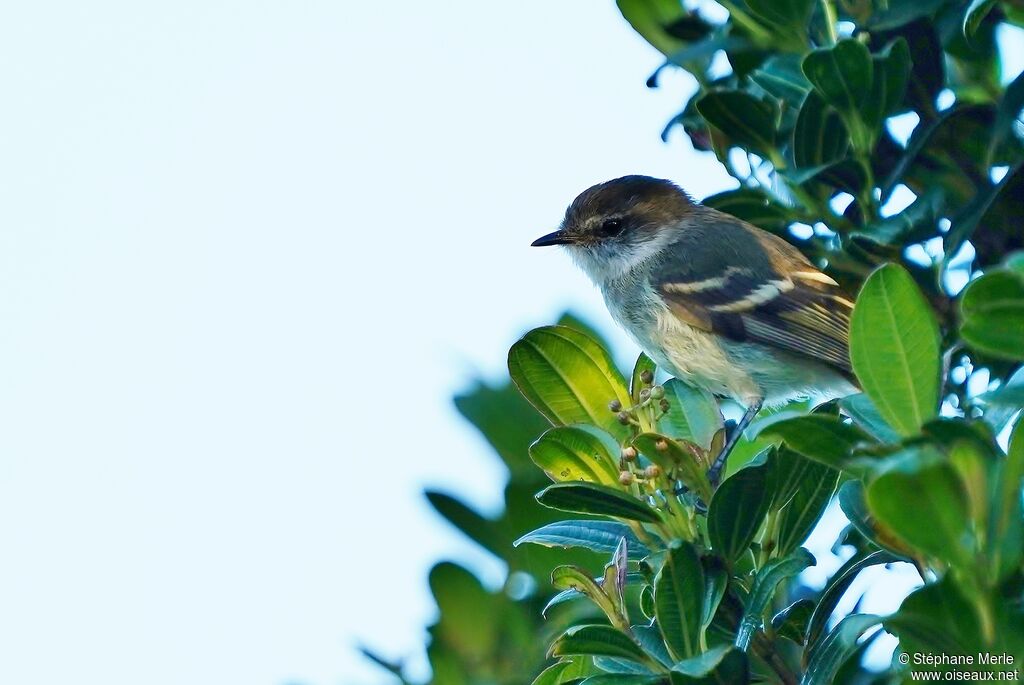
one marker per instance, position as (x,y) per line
(751,286)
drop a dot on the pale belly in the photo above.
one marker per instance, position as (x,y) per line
(742,371)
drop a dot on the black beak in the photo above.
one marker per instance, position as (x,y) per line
(556,238)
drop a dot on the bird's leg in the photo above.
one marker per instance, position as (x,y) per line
(715,472)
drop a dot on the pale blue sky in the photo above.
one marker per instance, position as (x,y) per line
(248,252)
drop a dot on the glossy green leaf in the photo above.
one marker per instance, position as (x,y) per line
(992,314)
(620,679)
(763,590)
(649,638)
(890,72)
(837,587)
(786,19)
(1007,114)
(593,640)
(937,619)
(693,414)
(894,347)
(820,437)
(835,648)
(917,222)
(984,209)
(819,137)
(852,500)
(1006,524)
(479,528)
(805,509)
(791,622)
(636,384)
(651,19)
(568,377)
(676,461)
(461,597)
(570,453)
(716,580)
(782,77)
(753,206)
(865,415)
(597,536)
(565,671)
(719,665)
(974,14)
(843,74)
(678,599)
(573,578)
(737,511)
(590,498)
(926,508)
(749,122)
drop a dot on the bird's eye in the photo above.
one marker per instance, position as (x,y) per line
(611,227)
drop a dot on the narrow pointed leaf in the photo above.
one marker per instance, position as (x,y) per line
(589,498)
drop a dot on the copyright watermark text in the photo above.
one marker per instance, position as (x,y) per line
(981,667)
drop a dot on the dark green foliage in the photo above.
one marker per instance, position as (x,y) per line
(645,573)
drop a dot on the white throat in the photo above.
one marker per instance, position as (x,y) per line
(609,262)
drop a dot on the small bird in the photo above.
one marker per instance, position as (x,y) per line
(715,301)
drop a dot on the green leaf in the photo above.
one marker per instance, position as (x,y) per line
(675,461)
(716,580)
(894,347)
(460,598)
(763,591)
(597,536)
(678,598)
(749,122)
(937,619)
(984,210)
(643,363)
(843,74)
(819,137)
(649,637)
(722,664)
(593,640)
(1007,114)
(974,14)
(737,510)
(753,206)
(782,77)
(927,508)
(798,518)
(823,438)
(917,222)
(992,314)
(480,529)
(1006,524)
(786,19)
(620,679)
(890,73)
(693,413)
(650,18)
(590,498)
(828,655)
(564,671)
(837,587)
(568,377)
(570,453)
(852,500)
(791,622)
(899,12)
(865,414)
(576,579)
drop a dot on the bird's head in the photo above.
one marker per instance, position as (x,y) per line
(611,226)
